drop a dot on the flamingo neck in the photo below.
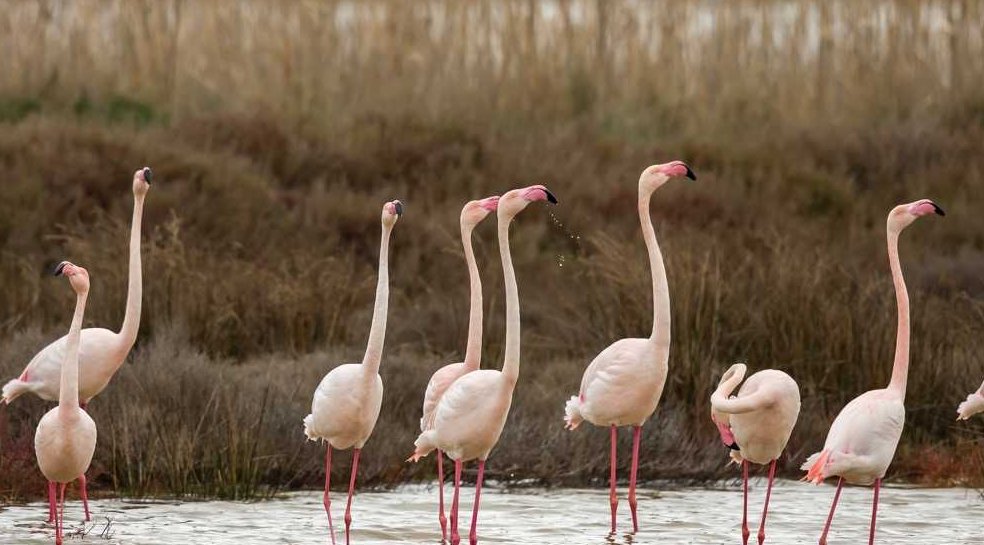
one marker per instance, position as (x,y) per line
(68,396)
(377,333)
(131,320)
(660,336)
(900,369)
(510,365)
(473,350)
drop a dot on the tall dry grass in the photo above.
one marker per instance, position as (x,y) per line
(277,129)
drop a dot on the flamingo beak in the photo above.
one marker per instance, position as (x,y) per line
(59,268)
(148,175)
(937,209)
(690,173)
(399,207)
(550,196)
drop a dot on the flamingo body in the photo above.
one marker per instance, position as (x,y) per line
(65,442)
(972,405)
(621,386)
(345,407)
(773,400)
(471,416)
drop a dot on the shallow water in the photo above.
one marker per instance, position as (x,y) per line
(565,516)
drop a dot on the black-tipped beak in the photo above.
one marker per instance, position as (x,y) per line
(937,209)
(550,197)
(734,446)
(690,173)
(59,268)
(399,207)
(148,174)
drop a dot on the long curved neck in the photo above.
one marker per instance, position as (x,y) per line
(131,320)
(68,396)
(900,369)
(510,365)
(377,333)
(473,350)
(661,293)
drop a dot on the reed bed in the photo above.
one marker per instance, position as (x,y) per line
(277,129)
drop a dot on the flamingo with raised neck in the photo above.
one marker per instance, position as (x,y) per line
(66,436)
(862,440)
(346,403)
(623,384)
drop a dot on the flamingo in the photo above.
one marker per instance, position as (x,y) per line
(472,412)
(66,436)
(972,405)
(347,401)
(862,440)
(471,215)
(101,351)
(623,384)
(755,424)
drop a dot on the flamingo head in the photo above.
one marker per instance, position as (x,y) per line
(655,176)
(392,212)
(513,202)
(904,214)
(141,181)
(77,276)
(475,211)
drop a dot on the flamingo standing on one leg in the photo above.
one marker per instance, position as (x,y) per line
(101,351)
(623,384)
(471,215)
(347,401)
(66,436)
(972,405)
(862,440)
(755,424)
(470,416)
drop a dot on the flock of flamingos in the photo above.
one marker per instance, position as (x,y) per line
(465,407)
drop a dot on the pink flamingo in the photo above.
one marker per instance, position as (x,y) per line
(471,215)
(755,424)
(972,405)
(66,436)
(101,351)
(347,401)
(470,416)
(862,440)
(623,384)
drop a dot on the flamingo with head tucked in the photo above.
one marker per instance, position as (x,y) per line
(623,384)
(972,405)
(66,436)
(472,412)
(755,424)
(862,440)
(347,401)
(471,215)
(101,351)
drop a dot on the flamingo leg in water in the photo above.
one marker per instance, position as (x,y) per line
(455,537)
(327,499)
(874,513)
(744,503)
(833,506)
(60,517)
(52,502)
(440,496)
(634,472)
(768,495)
(348,506)
(473,536)
(83,484)
(612,497)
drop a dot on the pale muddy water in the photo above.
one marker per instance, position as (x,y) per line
(562,516)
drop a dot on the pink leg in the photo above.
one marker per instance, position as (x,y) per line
(473,536)
(348,506)
(60,517)
(52,502)
(84,491)
(874,513)
(455,537)
(612,496)
(440,496)
(744,503)
(636,437)
(768,494)
(830,517)
(327,499)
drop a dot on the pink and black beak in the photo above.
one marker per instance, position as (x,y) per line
(148,175)
(936,208)
(398,206)
(59,269)
(690,173)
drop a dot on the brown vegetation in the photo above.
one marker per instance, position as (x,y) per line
(276,130)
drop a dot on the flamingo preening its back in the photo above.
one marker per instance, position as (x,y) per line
(755,424)
(66,436)
(101,351)
(472,412)
(972,405)
(347,401)
(861,442)
(623,384)
(471,215)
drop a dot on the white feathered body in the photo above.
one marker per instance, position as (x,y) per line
(345,407)
(439,383)
(762,434)
(64,443)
